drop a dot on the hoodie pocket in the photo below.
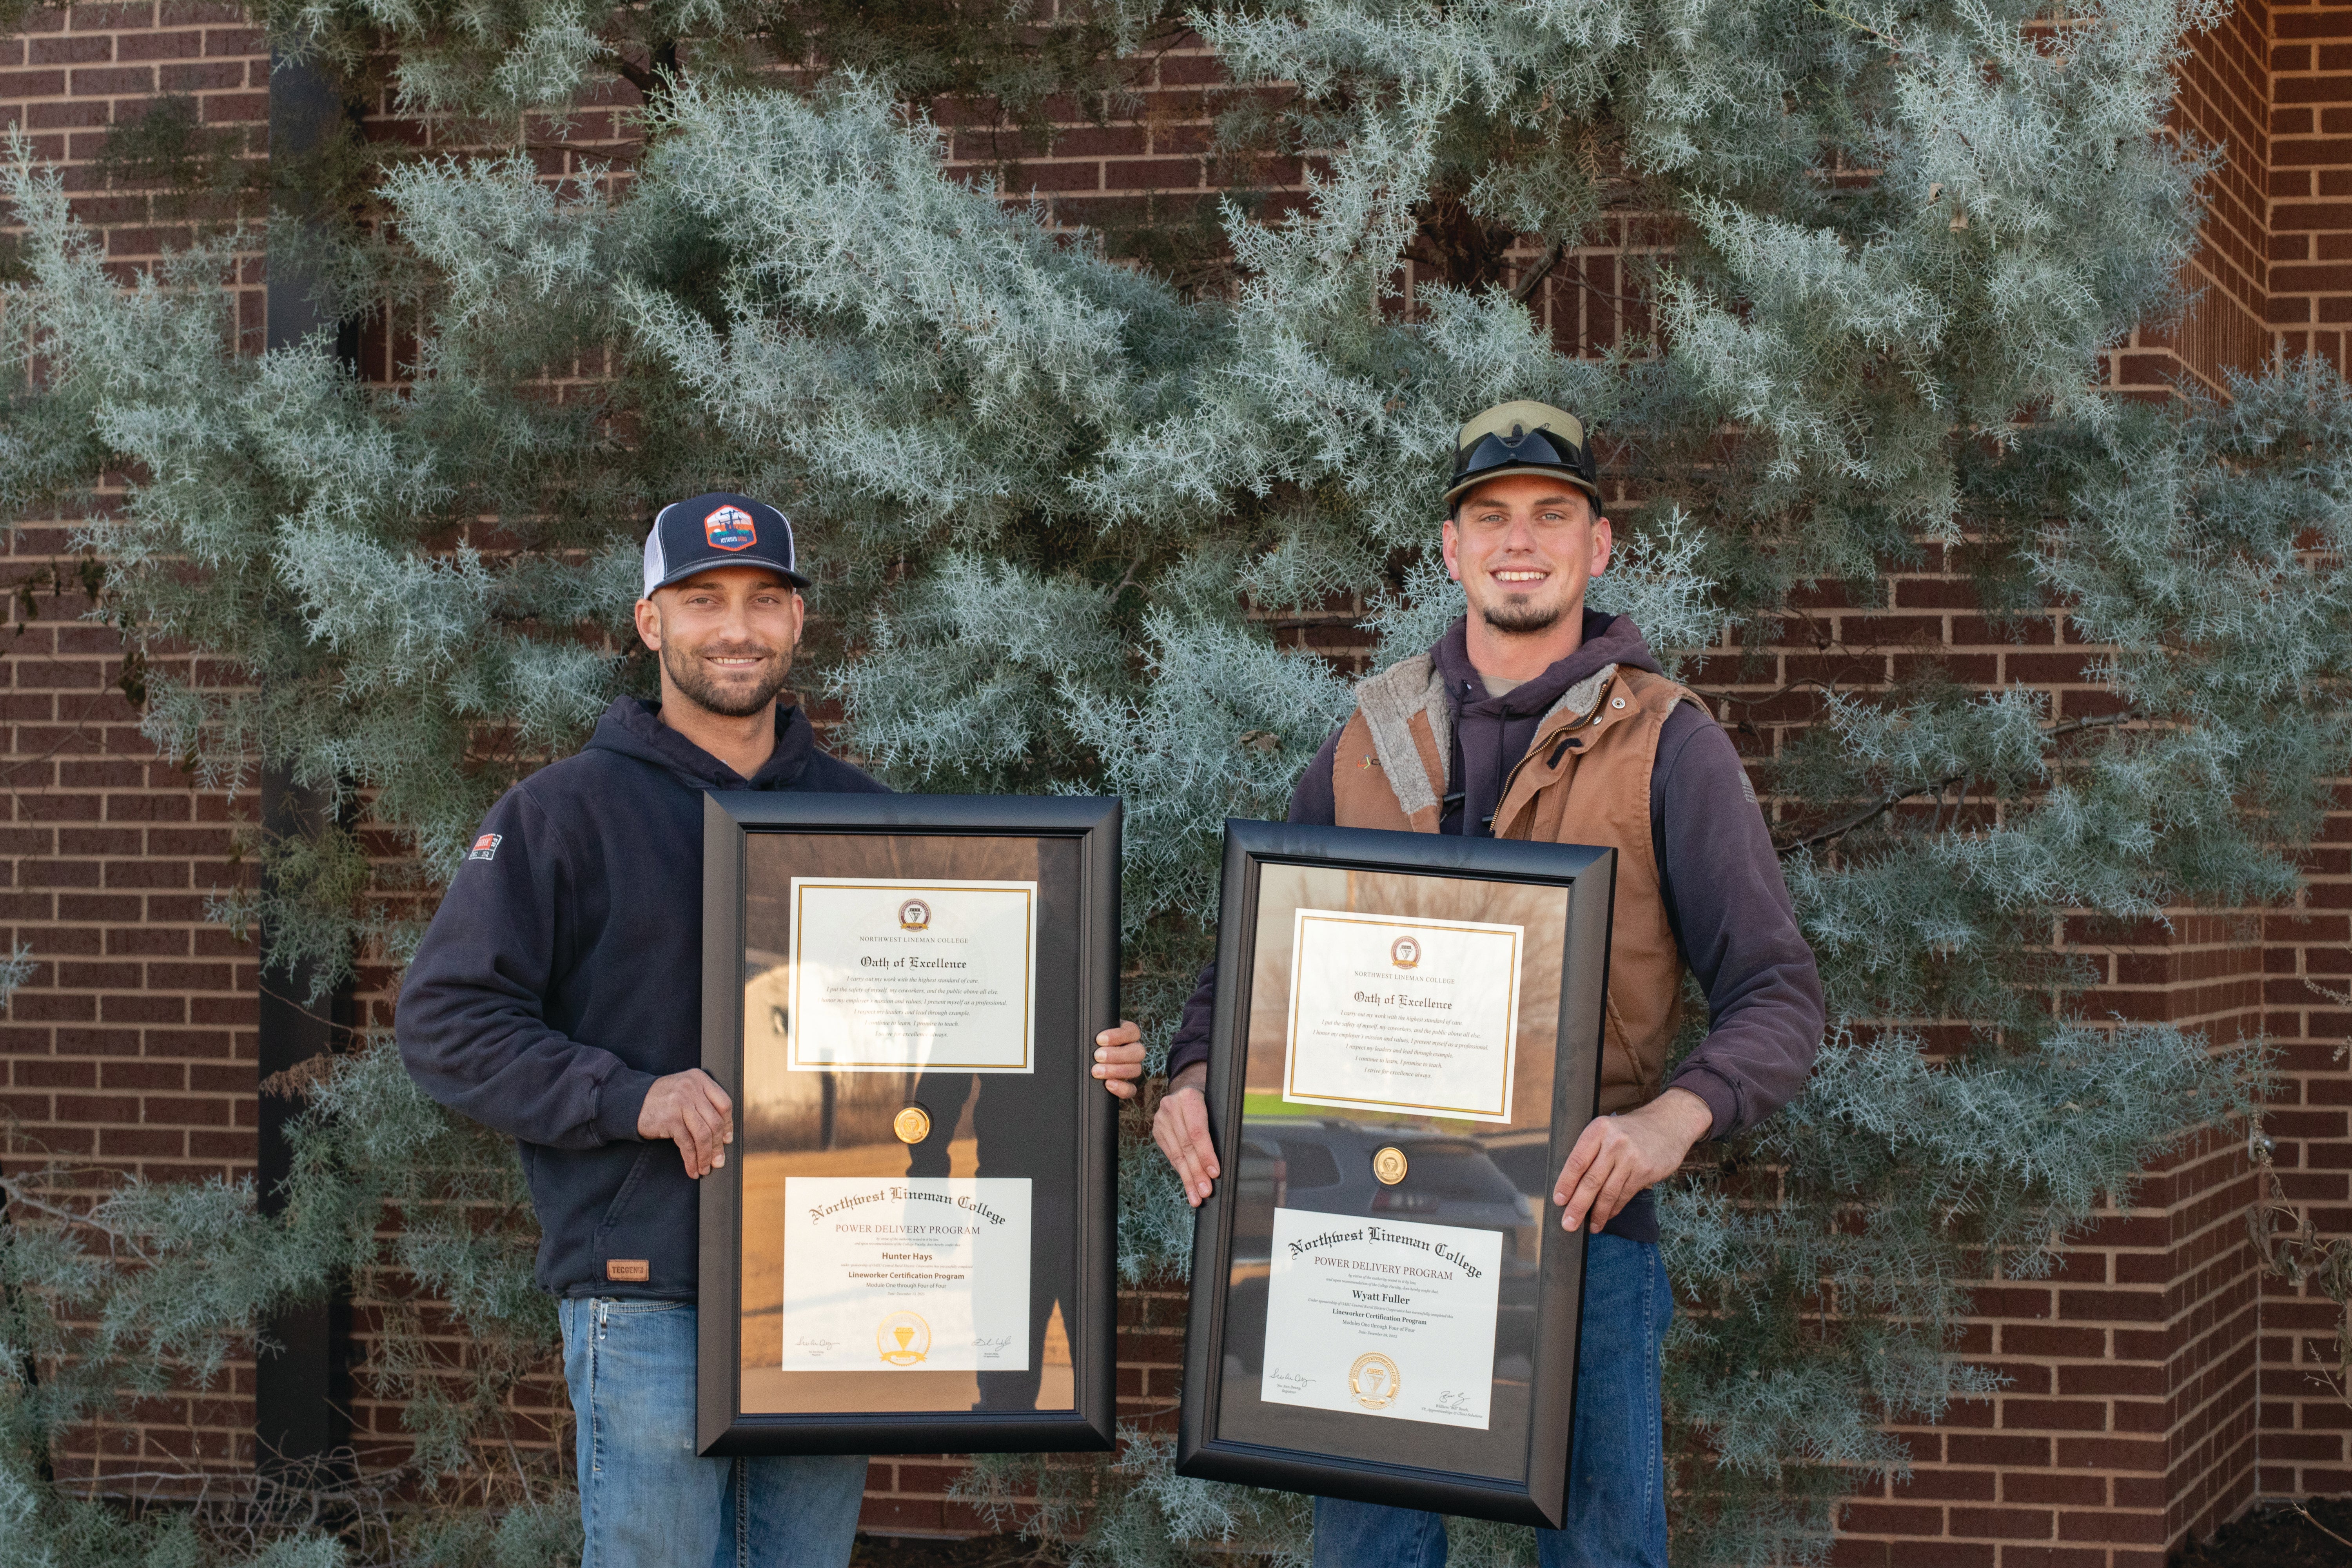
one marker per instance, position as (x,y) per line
(616,1211)
(1620,1068)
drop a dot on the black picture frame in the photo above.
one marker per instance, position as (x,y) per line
(1081,835)
(1528,1485)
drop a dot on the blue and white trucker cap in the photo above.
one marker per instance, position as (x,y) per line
(717,530)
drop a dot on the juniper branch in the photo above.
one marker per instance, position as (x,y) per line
(1937,787)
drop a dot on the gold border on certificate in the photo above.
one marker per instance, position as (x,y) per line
(912,889)
(1405,956)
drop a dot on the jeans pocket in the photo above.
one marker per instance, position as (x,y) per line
(604,1309)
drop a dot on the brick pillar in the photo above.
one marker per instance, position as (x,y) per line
(2307,1013)
(2129,1416)
(131,1048)
(2310,179)
(2129,1420)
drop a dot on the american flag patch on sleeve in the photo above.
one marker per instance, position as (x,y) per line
(486,848)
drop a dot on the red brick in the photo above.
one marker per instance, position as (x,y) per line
(69,51)
(2114,1306)
(210,76)
(2010,1451)
(2053,1414)
(2042,1487)
(2002,1524)
(112,81)
(1056,177)
(1950,1485)
(159,46)
(1885,1519)
(2113,1528)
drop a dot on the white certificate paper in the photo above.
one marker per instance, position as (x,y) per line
(911,976)
(1382,1318)
(1391,1014)
(906,1273)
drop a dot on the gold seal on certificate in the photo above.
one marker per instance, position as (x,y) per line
(1373,1381)
(1380,1311)
(911,1246)
(911,976)
(904,1339)
(1391,1014)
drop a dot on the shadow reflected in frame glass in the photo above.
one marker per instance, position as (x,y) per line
(1488,1179)
(1407,1033)
(1007,1140)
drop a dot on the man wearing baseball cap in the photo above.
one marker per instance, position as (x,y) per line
(557,997)
(1535,717)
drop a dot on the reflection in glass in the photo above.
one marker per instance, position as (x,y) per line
(999,1142)
(1468,1188)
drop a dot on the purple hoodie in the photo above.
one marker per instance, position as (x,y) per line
(1719,874)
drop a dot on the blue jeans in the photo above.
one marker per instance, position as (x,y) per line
(1616,1465)
(645,1501)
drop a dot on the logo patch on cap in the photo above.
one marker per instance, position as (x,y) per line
(729,527)
(486,848)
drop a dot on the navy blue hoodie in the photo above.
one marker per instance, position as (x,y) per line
(563,973)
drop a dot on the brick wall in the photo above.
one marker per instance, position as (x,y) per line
(2221,102)
(2127,1417)
(2157,1383)
(2311,179)
(131,1046)
(2304,1423)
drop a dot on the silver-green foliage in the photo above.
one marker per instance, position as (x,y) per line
(115,1289)
(1056,506)
(497,61)
(1134,1510)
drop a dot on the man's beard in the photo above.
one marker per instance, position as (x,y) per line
(1521,619)
(688,673)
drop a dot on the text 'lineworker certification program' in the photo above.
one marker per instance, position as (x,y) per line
(908,975)
(1418,1016)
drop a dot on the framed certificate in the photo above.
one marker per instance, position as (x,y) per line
(911,1247)
(1406,1045)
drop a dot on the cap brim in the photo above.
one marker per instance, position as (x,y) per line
(699,567)
(1463,487)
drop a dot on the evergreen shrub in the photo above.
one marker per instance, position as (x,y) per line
(1056,496)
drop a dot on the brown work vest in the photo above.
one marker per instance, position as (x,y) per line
(1585,779)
